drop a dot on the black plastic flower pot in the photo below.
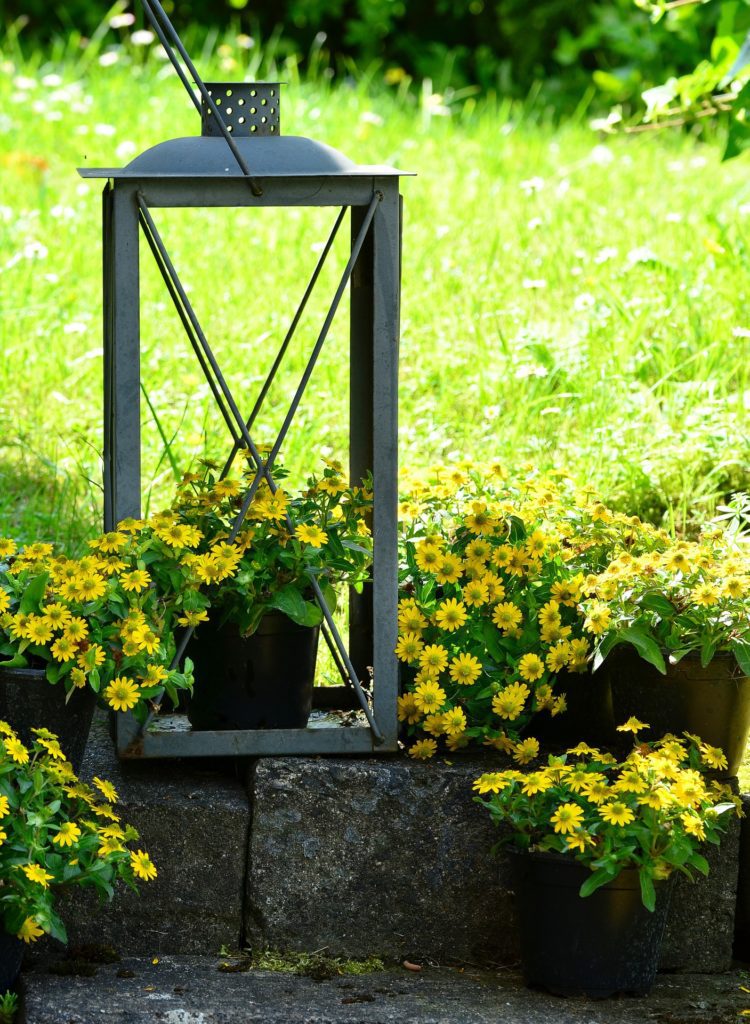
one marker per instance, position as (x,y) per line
(29,701)
(597,945)
(588,717)
(711,702)
(11,957)
(263,681)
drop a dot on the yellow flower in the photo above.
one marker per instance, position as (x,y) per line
(531,667)
(311,535)
(110,542)
(558,657)
(91,658)
(17,750)
(598,618)
(409,647)
(616,813)
(705,594)
(122,694)
(411,620)
(507,616)
(693,825)
(567,818)
(408,711)
(4,806)
(106,788)
(137,580)
(146,639)
(29,931)
(68,834)
(448,569)
(536,782)
(91,587)
(476,593)
(64,649)
(549,614)
(454,722)
(76,629)
(465,669)
(492,782)
(429,696)
(422,750)
(632,725)
(567,592)
(451,615)
(510,701)
(433,658)
(142,865)
(36,873)
(38,629)
(526,750)
(714,757)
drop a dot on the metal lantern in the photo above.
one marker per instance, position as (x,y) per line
(242,159)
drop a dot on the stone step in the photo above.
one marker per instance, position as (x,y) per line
(365,856)
(192,990)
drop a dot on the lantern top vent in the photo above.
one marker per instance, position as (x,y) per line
(251,114)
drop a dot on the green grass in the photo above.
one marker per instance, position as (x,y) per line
(570,301)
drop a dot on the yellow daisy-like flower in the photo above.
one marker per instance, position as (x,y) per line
(91,658)
(705,594)
(491,782)
(146,639)
(429,696)
(693,825)
(90,587)
(558,657)
(113,542)
(411,620)
(448,569)
(4,806)
(549,614)
(56,614)
(422,750)
(7,547)
(510,701)
(616,813)
(136,581)
(38,629)
(567,818)
(76,629)
(536,782)
(409,647)
(16,750)
(109,845)
(64,649)
(408,711)
(106,788)
(68,834)
(526,750)
(507,616)
(434,725)
(155,674)
(122,694)
(433,658)
(531,667)
(714,757)
(454,721)
(78,677)
(311,535)
(142,865)
(632,725)
(29,931)
(597,791)
(36,873)
(428,557)
(476,593)
(598,618)
(451,615)
(465,669)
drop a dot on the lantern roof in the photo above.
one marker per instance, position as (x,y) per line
(250,112)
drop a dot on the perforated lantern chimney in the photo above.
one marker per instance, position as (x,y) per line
(242,159)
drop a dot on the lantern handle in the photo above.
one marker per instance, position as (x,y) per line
(170,40)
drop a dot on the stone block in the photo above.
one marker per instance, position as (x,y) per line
(392,857)
(383,856)
(194,822)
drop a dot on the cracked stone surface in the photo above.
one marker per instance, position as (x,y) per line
(191,990)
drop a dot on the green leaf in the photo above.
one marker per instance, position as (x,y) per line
(596,880)
(645,645)
(289,601)
(17,661)
(31,602)
(741,651)
(708,649)
(658,603)
(695,860)
(738,138)
(648,893)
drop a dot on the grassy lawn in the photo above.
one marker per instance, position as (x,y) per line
(570,300)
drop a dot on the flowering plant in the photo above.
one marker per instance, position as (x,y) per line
(268,565)
(56,831)
(491,579)
(676,599)
(650,811)
(105,620)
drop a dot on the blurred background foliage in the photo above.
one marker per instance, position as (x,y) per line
(591,52)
